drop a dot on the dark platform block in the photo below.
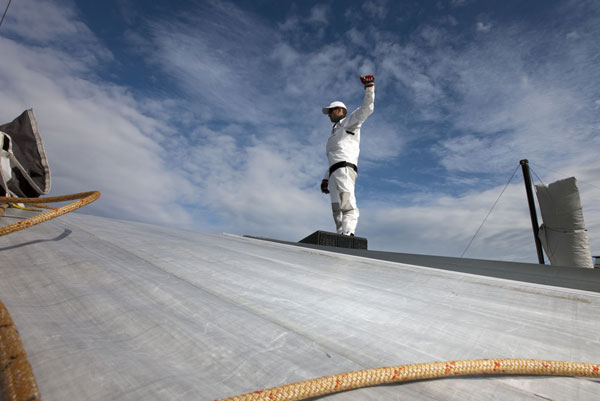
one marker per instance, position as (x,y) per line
(333,239)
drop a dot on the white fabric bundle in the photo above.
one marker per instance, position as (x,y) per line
(563,234)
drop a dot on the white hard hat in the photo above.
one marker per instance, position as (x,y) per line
(333,105)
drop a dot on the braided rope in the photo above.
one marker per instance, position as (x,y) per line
(83,198)
(371,377)
(16,376)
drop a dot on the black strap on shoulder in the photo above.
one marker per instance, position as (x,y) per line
(341,165)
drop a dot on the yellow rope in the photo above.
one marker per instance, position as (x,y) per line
(82,199)
(371,377)
(18,206)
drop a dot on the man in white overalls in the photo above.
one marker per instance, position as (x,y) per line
(342,149)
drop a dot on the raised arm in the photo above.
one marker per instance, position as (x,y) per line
(359,115)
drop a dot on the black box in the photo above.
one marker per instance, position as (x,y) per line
(337,240)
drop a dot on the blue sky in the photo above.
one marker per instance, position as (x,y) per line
(206,114)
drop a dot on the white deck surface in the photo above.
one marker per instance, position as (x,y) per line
(111,310)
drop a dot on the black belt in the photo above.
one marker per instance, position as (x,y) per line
(341,165)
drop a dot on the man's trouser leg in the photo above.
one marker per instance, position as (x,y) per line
(343,201)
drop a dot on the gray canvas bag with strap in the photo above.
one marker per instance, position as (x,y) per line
(24,169)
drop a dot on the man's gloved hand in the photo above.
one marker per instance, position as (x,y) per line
(325,186)
(367,80)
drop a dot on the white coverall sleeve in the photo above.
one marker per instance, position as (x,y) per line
(359,115)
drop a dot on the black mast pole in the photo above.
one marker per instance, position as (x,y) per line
(532,211)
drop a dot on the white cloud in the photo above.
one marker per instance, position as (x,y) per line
(433,36)
(290,24)
(444,225)
(376,8)
(218,58)
(266,187)
(483,26)
(449,20)
(537,114)
(318,14)
(460,3)
(357,37)
(572,35)
(381,141)
(500,101)
(407,69)
(43,23)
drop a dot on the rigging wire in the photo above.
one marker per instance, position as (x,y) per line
(562,174)
(5,11)
(490,212)
(537,176)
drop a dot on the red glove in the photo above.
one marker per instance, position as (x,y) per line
(367,80)
(324,186)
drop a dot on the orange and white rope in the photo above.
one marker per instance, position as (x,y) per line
(371,377)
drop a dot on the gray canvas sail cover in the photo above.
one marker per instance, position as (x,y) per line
(563,233)
(24,167)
